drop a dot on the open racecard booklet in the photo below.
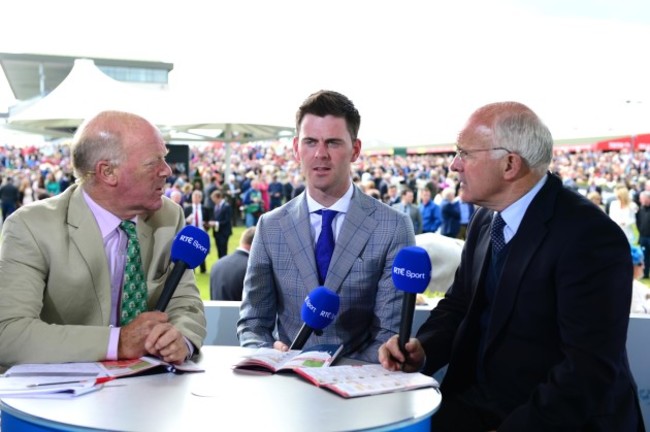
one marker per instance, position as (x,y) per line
(365,380)
(272,360)
(74,379)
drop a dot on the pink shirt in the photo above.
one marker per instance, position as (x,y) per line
(115,241)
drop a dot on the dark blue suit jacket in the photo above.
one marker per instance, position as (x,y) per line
(223,215)
(554,352)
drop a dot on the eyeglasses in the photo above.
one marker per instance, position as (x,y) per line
(465,154)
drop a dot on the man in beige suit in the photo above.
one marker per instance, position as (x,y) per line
(62,259)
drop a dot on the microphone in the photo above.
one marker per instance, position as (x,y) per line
(189,249)
(411,274)
(318,311)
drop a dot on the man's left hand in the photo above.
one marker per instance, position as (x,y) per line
(166,342)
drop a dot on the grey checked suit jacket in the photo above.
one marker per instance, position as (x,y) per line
(282,271)
(55,293)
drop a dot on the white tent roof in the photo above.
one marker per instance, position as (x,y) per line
(87,90)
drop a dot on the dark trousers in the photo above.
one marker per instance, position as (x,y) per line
(222,245)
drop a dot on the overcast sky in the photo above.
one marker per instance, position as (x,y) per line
(415,69)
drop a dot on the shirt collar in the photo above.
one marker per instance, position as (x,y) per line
(514,213)
(341,206)
(106,220)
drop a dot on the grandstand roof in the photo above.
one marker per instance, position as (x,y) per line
(35,75)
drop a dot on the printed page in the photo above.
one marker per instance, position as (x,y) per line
(314,356)
(363,380)
(266,358)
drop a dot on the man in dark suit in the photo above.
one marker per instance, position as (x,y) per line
(221,223)
(227,274)
(198,215)
(9,197)
(534,327)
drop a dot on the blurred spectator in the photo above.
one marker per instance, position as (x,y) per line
(640,291)
(275,192)
(9,196)
(252,203)
(406,206)
(26,191)
(227,274)
(430,211)
(233,192)
(594,197)
(623,210)
(176,196)
(52,186)
(466,212)
(197,215)
(393,196)
(221,222)
(450,210)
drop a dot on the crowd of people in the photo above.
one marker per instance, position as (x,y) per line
(264,175)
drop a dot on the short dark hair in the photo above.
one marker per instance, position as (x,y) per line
(327,102)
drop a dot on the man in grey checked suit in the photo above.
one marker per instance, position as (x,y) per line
(368,235)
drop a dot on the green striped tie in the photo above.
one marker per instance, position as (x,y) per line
(134,290)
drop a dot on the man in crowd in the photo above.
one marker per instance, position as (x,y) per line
(221,223)
(9,196)
(430,212)
(198,215)
(367,235)
(227,274)
(407,207)
(534,327)
(66,293)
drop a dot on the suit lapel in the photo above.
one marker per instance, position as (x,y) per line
(522,248)
(84,233)
(296,230)
(352,238)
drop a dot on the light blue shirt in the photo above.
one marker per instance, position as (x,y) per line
(514,213)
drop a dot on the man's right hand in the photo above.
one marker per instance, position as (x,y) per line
(134,334)
(393,359)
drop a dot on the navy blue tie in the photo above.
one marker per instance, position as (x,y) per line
(496,232)
(325,243)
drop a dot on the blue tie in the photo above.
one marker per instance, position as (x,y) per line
(496,233)
(325,244)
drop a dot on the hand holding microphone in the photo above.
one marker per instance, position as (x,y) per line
(411,274)
(318,311)
(189,249)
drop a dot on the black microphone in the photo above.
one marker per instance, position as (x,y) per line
(411,274)
(318,311)
(189,249)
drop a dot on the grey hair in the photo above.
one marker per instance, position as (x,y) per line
(517,128)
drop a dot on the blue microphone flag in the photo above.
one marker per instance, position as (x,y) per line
(190,246)
(412,270)
(320,308)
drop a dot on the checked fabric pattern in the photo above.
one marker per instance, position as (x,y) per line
(134,289)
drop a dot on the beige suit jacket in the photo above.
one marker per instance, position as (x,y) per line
(55,293)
